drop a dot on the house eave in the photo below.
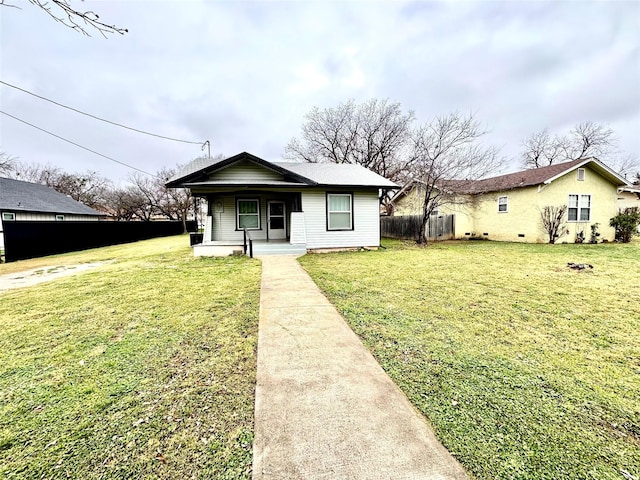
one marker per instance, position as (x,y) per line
(8,208)
(184,181)
(596,165)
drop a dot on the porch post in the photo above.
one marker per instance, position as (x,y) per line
(298,231)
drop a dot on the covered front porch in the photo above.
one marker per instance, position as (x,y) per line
(253,223)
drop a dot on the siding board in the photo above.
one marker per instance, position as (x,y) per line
(366,224)
(245,172)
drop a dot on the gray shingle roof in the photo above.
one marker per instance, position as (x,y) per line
(19,196)
(307,174)
(343,174)
(195,166)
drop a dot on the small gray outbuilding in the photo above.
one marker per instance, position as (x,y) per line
(34,202)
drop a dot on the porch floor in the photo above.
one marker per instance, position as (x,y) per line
(260,247)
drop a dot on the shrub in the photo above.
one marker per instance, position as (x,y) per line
(626,224)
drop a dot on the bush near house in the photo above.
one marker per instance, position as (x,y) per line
(626,224)
(142,368)
(525,368)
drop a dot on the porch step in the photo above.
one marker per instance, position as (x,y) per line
(278,249)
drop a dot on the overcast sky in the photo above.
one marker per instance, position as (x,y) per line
(243,74)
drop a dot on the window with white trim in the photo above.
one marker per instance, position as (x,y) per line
(581,174)
(339,211)
(59,218)
(248,213)
(579,208)
(503,204)
(8,216)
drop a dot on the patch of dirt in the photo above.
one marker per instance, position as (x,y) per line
(29,278)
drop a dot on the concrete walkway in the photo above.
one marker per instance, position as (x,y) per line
(325,409)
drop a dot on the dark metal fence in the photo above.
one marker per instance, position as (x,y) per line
(25,239)
(407,227)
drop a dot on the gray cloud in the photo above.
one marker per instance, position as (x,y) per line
(243,74)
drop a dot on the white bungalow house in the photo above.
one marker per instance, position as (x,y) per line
(284,207)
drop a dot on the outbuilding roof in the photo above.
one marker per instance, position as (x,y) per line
(19,196)
(197,172)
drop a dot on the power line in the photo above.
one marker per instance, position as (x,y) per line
(76,144)
(99,118)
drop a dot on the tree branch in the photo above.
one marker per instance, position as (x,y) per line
(75,19)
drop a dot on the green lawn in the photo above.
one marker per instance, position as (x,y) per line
(141,368)
(526,369)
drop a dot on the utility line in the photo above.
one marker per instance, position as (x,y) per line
(99,118)
(76,144)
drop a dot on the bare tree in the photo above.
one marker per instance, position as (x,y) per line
(44,174)
(447,157)
(7,163)
(553,221)
(127,204)
(62,11)
(626,165)
(172,203)
(540,149)
(88,188)
(589,139)
(586,139)
(374,134)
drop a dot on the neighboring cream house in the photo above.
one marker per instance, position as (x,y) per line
(629,196)
(284,207)
(508,207)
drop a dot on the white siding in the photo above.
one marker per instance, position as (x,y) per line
(246,172)
(224,223)
(298,233)
(50,217)
(366,221)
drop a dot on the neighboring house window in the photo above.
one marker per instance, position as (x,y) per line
(248,212)
(579,208)
(8,216)
(59,218)
(502,204)
(581,174)
(339,211)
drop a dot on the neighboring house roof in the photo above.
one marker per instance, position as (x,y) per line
(533,177)
(19,196)
(197,174)
(630,189)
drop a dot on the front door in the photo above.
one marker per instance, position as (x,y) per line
(276,220)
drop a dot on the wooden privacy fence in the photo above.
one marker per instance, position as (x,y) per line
(407,227)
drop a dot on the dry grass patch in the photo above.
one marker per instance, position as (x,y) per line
(525,368)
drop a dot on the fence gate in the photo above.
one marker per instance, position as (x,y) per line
(407,227)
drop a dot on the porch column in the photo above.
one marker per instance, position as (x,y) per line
(208,230)
(298,232)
